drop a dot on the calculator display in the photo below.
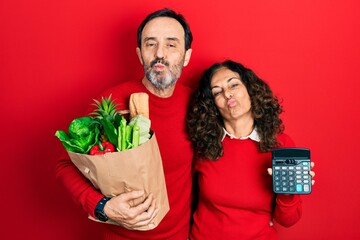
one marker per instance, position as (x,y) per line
(291,167)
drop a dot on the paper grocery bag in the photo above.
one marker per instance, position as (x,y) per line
(139,168)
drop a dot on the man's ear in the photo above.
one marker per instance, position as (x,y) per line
(187,57)
(138,52)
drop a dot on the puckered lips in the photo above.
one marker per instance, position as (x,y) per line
(231,103)
(159,67)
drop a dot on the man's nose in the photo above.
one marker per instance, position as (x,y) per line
(160,52)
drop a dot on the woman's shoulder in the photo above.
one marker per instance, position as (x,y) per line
(285,140)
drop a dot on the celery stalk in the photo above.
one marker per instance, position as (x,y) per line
(135,135)
(128,136)
(123,133)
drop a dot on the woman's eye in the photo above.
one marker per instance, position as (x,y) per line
(216,94)
(234,85)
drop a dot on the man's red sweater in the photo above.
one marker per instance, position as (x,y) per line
(236,198)
(167,120)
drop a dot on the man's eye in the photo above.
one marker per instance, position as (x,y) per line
(172,45)
(150,44)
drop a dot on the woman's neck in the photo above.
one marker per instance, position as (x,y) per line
(240,128)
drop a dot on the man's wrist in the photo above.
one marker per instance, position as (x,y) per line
(99,209)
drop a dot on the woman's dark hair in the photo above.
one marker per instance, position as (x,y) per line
(171,14)
(205,124)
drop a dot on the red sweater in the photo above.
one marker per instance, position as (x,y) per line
(236,198)
(167,120)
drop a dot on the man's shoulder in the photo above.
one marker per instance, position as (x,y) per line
(124,88)
(184,88)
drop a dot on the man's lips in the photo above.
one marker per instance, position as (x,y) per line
(159,67)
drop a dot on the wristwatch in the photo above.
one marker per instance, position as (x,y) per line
(99,210)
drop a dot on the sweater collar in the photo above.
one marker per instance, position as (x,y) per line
(253,136)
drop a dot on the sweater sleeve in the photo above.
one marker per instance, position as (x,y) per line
(288,209)
(80,189)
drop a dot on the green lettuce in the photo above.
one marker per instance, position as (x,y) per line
(82,135)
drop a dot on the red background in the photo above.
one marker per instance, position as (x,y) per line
(55,56)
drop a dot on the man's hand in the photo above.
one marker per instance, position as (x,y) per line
(119,210)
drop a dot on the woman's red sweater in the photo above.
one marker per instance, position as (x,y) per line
(236,199)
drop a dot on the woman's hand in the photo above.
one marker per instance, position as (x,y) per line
(312,173)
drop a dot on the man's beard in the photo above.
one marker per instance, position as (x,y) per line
(161,80)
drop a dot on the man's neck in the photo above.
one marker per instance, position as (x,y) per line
(163,93)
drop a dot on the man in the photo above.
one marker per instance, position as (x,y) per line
(164,48)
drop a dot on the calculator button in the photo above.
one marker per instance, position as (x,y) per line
(298,187)
(306,187)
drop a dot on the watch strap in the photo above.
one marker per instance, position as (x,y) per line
(99,209)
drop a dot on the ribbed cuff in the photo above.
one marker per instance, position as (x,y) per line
(91,203)
(287,199)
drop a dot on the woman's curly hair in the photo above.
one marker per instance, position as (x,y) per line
(205,124)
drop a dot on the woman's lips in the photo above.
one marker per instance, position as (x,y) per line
(231,103)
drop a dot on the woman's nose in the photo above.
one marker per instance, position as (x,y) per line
(228,94)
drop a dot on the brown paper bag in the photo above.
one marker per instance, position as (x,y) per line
(139,168)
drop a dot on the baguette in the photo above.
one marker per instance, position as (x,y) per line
(139,104)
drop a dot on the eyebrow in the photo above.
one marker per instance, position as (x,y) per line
(149,38)
(168,38)
(229,80)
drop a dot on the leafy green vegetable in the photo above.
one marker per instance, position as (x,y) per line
(82,135)
(109,129)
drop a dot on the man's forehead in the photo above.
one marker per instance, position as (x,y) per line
(163,27)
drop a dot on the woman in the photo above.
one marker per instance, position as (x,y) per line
(233,122)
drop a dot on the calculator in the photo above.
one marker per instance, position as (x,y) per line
(291,167)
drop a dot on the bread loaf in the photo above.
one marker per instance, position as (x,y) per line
(139,104)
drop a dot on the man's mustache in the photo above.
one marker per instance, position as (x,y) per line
(159,60)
